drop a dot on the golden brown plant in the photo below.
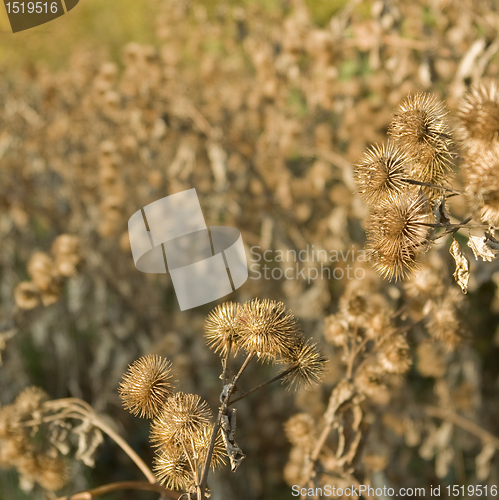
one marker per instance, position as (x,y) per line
(420,130)
(381,173)
(222,328)
(182,417)
(268,329)
(397,233)
(146,385)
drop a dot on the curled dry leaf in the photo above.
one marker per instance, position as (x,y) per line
(482,462)
(462,272)
(440,212)
(486,247)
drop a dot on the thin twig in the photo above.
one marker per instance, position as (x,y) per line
(122,485)
(467,425)
(263,384)
(433,186)
(79,409)
(222,411)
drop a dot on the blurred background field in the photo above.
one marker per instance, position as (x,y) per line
(263,107)
(104,26)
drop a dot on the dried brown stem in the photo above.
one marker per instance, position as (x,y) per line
(224,397)
(467,425)
(79,409)
(122,485)
(433,186)
(263,384)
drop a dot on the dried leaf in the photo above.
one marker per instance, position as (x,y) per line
(482,462)
(462,272)
(89,438)
(486,247)
(228,425)
(440,212)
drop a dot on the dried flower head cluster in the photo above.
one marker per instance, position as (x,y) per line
(48,273)
(478,134)
(24,446)
(375,351)
(269,330)
(418,153)
(420,129)
(403,216)
(181,428)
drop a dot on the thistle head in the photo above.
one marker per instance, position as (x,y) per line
(397,232)
(307,364)
(146,385)
(182,417)
(222,328)
(381,173)
(478,115)
(268,329)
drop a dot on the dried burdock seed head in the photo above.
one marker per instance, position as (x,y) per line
(27,295)
(420,129)
(369,381)
(52,293)
(478,115)
(300,430)
(52,473)
(481,177)
(381,173)
(202,444)
(379,320)
(354,303)
(430,359)
(171,468)
(424,284)
(335,330)
(444,322)
(222,328)
(182,417)
(146,385)
(420,122)
(66,244)
(269,329)
(308,365)
(40,269)
(394,355)
(29,401)
(397,232)
(13,449)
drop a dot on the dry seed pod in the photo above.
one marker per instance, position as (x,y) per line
(269,329)
(146,385)
(222,328)
(181,418)
(308,365)
(381,173)
(420,129)
(41,270)
(397,232)
(478,115)
(27,295)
